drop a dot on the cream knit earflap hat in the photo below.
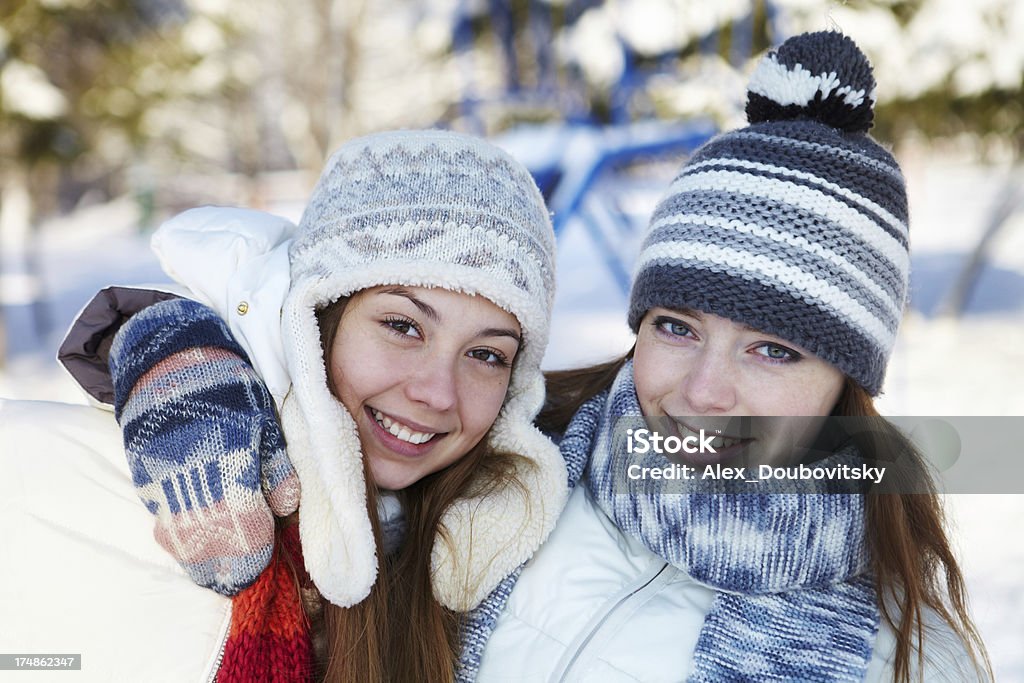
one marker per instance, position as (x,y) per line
(426,209)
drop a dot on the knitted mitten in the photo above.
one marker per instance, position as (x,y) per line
(206,454)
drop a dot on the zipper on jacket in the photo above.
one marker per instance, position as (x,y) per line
(223,646)
(636,591)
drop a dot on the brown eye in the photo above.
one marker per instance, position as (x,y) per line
(402,327)
(490,357)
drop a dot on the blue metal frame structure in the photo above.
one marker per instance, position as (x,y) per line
(591,151)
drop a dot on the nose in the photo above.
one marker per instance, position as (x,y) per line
(709,386)
(433,383)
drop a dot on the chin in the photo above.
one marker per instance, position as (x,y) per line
(393,478)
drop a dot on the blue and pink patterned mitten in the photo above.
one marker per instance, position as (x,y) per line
(203,444)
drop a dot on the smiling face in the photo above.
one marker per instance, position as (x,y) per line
(707,369)
(424,373)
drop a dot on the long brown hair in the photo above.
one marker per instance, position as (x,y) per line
(400,632)
(913,563)
(912,560)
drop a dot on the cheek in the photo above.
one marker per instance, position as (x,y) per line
(655,372)
(811,393)
(774,399)
(823,392)
(646,389)
(785,440)
(358,370)
(481,401)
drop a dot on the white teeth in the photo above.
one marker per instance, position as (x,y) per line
(723,442)
(718,441)
(400,431)
(685,431)
(414,437)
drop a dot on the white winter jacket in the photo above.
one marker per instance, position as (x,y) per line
(596,605)
(81,572)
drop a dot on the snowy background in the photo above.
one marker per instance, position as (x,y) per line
(238,86)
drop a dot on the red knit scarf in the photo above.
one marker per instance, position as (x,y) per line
(269,638)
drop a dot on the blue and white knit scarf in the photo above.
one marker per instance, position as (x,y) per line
(794,600)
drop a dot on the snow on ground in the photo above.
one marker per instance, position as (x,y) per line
(965,366)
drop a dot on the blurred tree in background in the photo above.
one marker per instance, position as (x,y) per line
(76,82)
(101,98)
(946,68)
(77,78)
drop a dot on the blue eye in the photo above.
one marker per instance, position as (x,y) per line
(777,353)
(672,326)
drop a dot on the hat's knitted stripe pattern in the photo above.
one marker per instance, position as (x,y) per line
(866,179)
(481,217)
(851,277)
(863,158)
(803,240)
(789,273)
(830,198)
(776,312)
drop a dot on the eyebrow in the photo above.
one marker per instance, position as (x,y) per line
(699,317)
(691,312)
(500,332)
(425,308)
(435,317)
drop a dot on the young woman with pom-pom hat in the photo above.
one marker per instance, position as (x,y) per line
(771,283)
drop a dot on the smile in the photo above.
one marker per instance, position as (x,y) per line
(720,441)
(401,431)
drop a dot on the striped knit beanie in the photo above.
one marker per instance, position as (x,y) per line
(426,209)
(796,225)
